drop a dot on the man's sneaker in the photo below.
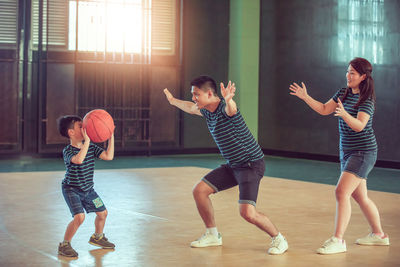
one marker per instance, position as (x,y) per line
(332,246)
(278,245)
(373,240)
(65,249)
(101,242)
(207,240)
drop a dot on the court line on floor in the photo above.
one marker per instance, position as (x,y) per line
(17,240)
(140,214)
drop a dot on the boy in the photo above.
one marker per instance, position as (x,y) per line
(245,164)
(77,186)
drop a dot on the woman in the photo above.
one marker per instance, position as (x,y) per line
(354,106)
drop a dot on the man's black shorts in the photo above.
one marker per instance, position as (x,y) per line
(246,175)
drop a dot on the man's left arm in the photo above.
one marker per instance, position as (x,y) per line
(228,94)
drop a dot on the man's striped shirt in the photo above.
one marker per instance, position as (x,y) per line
(234,140)
(80,175)
(350,139)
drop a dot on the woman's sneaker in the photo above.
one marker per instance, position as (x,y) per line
(278,245)
(373,240)
(332,246)
(102,241)
(207,240)
(65,249)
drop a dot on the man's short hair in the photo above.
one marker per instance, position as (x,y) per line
(205,83)
(64,123)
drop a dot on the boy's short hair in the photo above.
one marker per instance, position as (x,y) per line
(205,83)
(64,123)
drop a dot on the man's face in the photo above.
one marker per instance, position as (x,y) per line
(199,97)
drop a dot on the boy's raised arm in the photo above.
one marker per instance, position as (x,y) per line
(109,153)
(80,157)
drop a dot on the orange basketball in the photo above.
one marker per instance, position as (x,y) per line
(99,125)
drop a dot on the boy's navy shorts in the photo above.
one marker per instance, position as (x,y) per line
(78,200)
(247,175)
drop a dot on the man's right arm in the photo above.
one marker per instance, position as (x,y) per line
(186,106)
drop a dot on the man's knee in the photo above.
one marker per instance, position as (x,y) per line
(248,212)
(202,189)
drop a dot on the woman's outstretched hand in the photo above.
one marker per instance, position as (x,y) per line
(299,91)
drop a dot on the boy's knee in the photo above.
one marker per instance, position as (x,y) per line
(79,218)
(102,214)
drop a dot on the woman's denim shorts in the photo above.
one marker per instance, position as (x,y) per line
(359,163)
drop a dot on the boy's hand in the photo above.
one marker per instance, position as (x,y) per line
(85,136)
(228,92)
(169,96)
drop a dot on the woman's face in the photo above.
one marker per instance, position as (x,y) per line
(353,78)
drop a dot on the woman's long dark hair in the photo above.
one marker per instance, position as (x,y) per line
(367,88)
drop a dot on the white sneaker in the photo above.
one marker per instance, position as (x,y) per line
(207,240)
(373,240)
(278,245)
(332,246)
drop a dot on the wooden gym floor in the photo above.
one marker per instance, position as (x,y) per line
(153,218)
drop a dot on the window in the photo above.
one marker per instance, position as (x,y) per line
(130,26)
(55,23)
(164,17)
(8,23)
(361,30)
(114,26)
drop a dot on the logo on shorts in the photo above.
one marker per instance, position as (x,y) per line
(97,202)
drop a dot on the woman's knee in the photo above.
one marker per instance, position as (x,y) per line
(360,199)
(341,194)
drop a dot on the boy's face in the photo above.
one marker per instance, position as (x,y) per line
(201,98)
(76,131)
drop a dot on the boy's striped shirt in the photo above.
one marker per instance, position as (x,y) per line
(234,140)
(350,139)
(80,175)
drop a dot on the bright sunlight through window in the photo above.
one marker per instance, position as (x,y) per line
(361,30)
(112,26)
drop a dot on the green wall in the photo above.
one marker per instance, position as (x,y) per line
(205,52)
(244,39)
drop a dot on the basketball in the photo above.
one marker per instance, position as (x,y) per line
(99,125)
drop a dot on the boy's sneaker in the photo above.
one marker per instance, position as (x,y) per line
(207,240)
(278,245)
(101,241)
(65,249)
(373,240)
(332,246)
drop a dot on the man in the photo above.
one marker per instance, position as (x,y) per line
(245,165)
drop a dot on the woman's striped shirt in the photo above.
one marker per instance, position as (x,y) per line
(350,139)
(234,140)
(80,175)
